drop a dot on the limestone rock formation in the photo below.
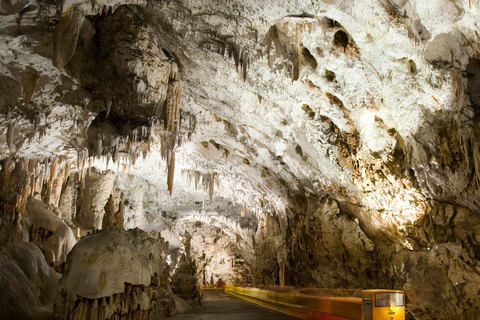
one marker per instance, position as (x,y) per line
(49,232)
(113,219)
(184,276)
(95,194)
(23,270)
(218,258)
(116,274)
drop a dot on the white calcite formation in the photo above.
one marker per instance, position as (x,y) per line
(327,143)
(95,194)
(48,231)
(116,274)
(218,257)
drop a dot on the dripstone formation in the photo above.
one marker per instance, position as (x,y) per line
(116,274)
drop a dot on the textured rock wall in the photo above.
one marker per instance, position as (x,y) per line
(435,259)
(218,258)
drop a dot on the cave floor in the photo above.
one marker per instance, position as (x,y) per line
(223,306)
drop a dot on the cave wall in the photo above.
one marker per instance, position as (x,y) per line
(435,260)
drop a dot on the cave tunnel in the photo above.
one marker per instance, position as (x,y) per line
(159,158)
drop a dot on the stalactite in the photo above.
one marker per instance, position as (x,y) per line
(172,105)
(211,183)
(22,186)
(79,165)
(109,107)
(171,171)
(245,64)
(76,196)
(41,177)
(10,132)
(124,170)
(53,174)
(197,179)
(296,56)
(58,184)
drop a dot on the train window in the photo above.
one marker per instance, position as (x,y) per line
(367,296)
(386,299)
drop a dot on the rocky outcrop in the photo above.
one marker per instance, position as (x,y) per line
(23,270)
(136,285)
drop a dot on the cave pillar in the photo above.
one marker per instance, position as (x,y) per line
(281,272)
(95,194)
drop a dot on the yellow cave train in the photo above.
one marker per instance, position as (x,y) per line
(322,304)
(383,304)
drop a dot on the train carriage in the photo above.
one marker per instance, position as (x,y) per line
(379,304)
(383,305)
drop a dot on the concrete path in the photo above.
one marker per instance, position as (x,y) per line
(222,306)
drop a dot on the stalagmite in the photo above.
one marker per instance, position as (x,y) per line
(184,280)
(109,216)
(95,194)
(138,286)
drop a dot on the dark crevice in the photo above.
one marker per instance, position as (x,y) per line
(340,38)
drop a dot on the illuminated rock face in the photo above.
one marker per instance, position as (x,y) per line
(349,131)
(116,274)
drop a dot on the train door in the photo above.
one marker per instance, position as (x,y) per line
(367,306)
